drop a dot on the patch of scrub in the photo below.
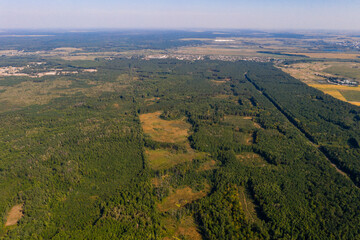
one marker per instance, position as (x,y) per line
(185,228)
(252,159)
(170,131)
(165,158)
(181,197)
(14,215)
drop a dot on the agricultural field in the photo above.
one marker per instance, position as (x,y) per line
(351,95)
(348,69)
(314,74)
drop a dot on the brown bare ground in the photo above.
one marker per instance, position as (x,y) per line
(14,215)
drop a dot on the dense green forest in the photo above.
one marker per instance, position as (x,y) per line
(259,150)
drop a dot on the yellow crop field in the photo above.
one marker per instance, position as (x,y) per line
(333,90)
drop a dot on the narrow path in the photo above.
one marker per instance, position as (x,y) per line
(246,206)
(296,124)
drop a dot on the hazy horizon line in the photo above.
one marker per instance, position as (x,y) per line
(203,29)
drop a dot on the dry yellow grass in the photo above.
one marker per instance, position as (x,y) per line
(307,72)
(333,90)
(186,227)
(14,215)
(164,158)
(248,206)
(180,198)
(355,103)
(217,82)
(174,131)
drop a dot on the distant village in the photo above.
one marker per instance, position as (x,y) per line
(349,44)
(339,80)
(193,57)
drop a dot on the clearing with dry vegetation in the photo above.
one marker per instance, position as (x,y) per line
(14,215)
(180,198)
(180,229)
(165,158)
(174,131)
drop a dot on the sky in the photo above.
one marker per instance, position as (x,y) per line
(180,14)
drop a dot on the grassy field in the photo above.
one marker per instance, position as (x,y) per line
(180,198)
(307,72)
(248,206)
(239,122)
(14,215)
(174,131)
(349,69)
(351,95)
(29,92)
(185,228)
(243,126)
(337,91)
(165,158)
